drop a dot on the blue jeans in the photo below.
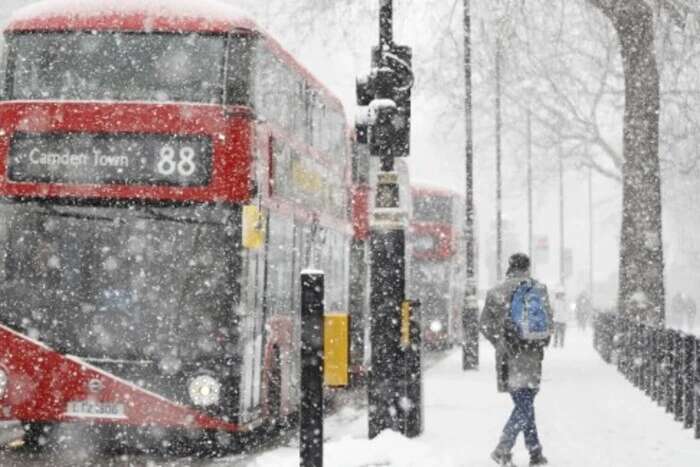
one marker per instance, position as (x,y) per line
(521,419)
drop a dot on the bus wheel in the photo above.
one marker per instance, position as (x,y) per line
(37,436)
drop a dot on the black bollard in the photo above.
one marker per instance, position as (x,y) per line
(632,346)
(648,349)
(696,388)
(619,340)
(679,352)
(668,373)
(311,416)
(688,381)
(638,361)
(624,340)
(632,352)
(657,361)
(648,353)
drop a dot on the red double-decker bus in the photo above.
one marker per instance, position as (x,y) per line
(437,276)
(166,171)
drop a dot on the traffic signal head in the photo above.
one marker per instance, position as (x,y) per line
(387,92)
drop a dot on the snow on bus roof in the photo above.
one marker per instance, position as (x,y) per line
(213,12)
(159,15)
(423,188)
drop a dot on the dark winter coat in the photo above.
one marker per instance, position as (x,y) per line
(518,365)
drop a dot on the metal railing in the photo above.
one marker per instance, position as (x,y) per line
(664,363)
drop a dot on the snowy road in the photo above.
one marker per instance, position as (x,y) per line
(588,415)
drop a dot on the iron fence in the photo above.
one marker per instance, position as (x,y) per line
(663,363)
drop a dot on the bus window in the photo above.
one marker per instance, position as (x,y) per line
(117,66)
(239,70)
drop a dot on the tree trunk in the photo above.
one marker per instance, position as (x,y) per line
(641,294)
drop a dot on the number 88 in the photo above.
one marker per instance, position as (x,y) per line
(185,165)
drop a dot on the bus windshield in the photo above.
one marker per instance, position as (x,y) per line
(112,66)
(431,282)
(432,208)
(117,283)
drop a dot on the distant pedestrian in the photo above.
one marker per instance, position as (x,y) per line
(584,310)
(517,320)
(563,317)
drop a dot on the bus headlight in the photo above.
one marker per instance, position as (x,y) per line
(436,326)
(169,365)
(204,390)
(4,379)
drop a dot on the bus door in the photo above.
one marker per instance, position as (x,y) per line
(251,322)
(252,319)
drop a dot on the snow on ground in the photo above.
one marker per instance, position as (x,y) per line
(588,415)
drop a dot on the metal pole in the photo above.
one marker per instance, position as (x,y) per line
(311,416)
(696,384)
(529,184)
(499,201)
(591,286)
(387,265)
(689,382)
(562,271)
(470,318)
(386,296)
(386,23)
(678,375)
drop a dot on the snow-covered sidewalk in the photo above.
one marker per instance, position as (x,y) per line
(588,415)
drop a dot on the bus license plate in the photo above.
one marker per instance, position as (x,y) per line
(95,409)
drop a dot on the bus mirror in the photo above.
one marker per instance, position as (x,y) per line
(253,227)
(336,349)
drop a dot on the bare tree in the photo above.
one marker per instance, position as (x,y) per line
(641,293)
(567,104)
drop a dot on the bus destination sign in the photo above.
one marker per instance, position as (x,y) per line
(101,159)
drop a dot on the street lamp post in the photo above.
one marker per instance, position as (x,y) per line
(499,200)
(529,183)
(590,229)
(562,259)
(470,317)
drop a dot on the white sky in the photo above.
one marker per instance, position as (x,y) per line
(338,54)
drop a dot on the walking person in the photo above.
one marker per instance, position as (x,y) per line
(563,317)
(584,310)
(517,320)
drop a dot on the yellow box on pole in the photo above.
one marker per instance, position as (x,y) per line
(336,349)
(253,227)
(406,323)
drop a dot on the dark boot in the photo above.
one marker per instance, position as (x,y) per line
(537,458)
(504,459)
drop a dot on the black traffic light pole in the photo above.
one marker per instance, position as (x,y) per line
(387,92)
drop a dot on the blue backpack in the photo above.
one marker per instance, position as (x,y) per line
(528,314)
